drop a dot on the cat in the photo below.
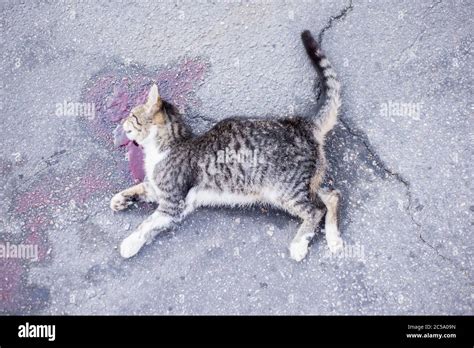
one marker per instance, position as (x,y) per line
(286,167)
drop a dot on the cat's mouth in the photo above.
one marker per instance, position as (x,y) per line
(120,137)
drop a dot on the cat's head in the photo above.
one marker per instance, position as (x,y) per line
(154,119)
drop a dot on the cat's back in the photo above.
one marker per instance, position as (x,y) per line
(251,130)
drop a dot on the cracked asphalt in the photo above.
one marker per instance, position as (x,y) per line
(401,155)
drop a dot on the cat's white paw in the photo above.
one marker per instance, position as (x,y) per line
(335,244)
(298,250)
(131,245)
(118,202)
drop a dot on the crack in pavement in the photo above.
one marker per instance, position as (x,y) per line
(341,16)
(397,176)
(433,5)
(373,153)
(418,37)
(409,48)
(405,182)
(381,164)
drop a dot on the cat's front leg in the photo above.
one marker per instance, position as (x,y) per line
(123,199)
(154,224)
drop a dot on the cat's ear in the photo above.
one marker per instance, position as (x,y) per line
(153,96)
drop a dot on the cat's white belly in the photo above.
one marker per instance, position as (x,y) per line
(202,197)
(206,197)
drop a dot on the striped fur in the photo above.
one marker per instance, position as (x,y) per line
(326,118)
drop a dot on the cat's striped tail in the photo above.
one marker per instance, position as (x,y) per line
(326,118)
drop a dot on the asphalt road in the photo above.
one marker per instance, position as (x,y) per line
(400,155)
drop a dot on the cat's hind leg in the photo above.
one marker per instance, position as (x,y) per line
(311,214)
(331,199)
(123,199)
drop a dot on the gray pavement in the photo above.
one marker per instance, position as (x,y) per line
(401,155)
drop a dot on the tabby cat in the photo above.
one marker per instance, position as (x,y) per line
(238,162)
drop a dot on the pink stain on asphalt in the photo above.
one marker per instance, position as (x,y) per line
(37,198)
(122,92)
(113,94)
(36,227)
(53,194)
(35,207)
(135,162)
(91,183)
(11,271)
